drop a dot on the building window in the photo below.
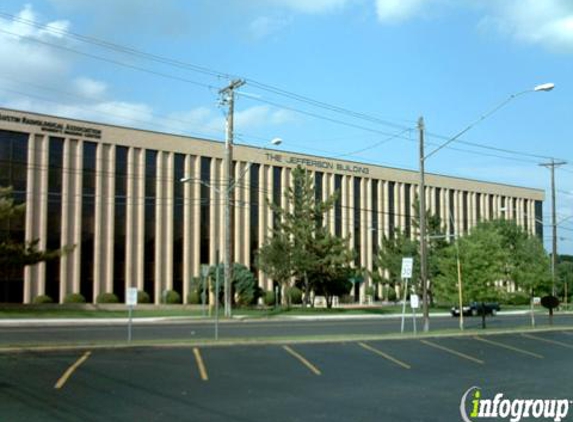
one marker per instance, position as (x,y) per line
(178,229)
(357,220)
(438,201)
(490,206)
(452,209)
(525,215)
(539,219)
(408,210)
(277,193)
(374,213)
(150,201)
(13,164)
(318,177)
(338,205)
(88,220)
(205,209)
(391,206)
(514,208)
(120,222)
(254,211)
(478,207)
(53,241)
(465,207)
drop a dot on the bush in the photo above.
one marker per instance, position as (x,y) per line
(143,297)
(391,294)
(75,298)
(107,298)
(370,291)
(269,298)
(171,297)
(518,298)
(38,300)
(194,298)
(295,295)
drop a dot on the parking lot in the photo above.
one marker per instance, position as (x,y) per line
(394,380)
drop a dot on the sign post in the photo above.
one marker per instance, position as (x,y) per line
(130,301)
(407,265)
(414,304)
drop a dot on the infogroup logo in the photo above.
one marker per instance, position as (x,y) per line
(515,410)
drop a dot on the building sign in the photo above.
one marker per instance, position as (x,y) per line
(317,163)
(54,127)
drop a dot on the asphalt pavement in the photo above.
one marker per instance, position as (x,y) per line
(391,380)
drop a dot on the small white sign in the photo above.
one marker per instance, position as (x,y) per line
(537,301)
(414,301)
(131,296)
(407,265)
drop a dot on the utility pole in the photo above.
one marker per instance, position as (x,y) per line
(552,166)
(423,257)
(228,98)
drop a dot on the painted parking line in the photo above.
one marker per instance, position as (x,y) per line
(200,364)
(64,378)
(546,340)
(508,347)
(453,352)
(385,355)
(301,359)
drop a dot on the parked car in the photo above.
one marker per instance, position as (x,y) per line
(477,308)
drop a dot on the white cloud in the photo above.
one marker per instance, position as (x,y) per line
(263,26)
(393,11)
(548,23)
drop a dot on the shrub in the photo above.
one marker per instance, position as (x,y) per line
(295,295)
(143,297)
(370,291)
(38,300)
(75,298)
(107,298)
(172,297)
(518,298)
(194,298)
(391,294)
(269,298)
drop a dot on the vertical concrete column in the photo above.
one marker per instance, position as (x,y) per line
(36,211)
(195,205)
(345,192)
(169,206)
(245,226)
(130,221)
(139,200)
(109,204)
(159,250)
(329,190)
(401,205)
(368,226)
(216,224)
(99,226)
(77,159)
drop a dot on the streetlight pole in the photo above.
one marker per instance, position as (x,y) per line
(421,127)
(228,94)
(552,166)
(423,255)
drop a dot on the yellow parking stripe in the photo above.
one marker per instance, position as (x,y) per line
(453,352)
(200,364)
(64,378)
(385,355)
(305,362)
(508,347)
(546,340)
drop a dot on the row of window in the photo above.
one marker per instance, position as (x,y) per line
(13,172)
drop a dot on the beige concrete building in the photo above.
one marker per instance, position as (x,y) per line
(115,193)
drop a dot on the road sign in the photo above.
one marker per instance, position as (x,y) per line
(414,301)
(407,265)
(131,296)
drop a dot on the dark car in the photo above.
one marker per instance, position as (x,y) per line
(477,309)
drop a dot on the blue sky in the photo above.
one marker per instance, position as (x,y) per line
(450,61)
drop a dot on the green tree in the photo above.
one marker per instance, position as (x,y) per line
(483,263)
(15,253)
(301,246)
(244,288)
(564,280)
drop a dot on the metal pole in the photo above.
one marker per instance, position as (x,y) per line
(229,98)
(461,299)
(404,305)
(422,194)
(217,298)
(552,166)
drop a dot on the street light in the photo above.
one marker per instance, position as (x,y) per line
(423,157)
(228,221)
